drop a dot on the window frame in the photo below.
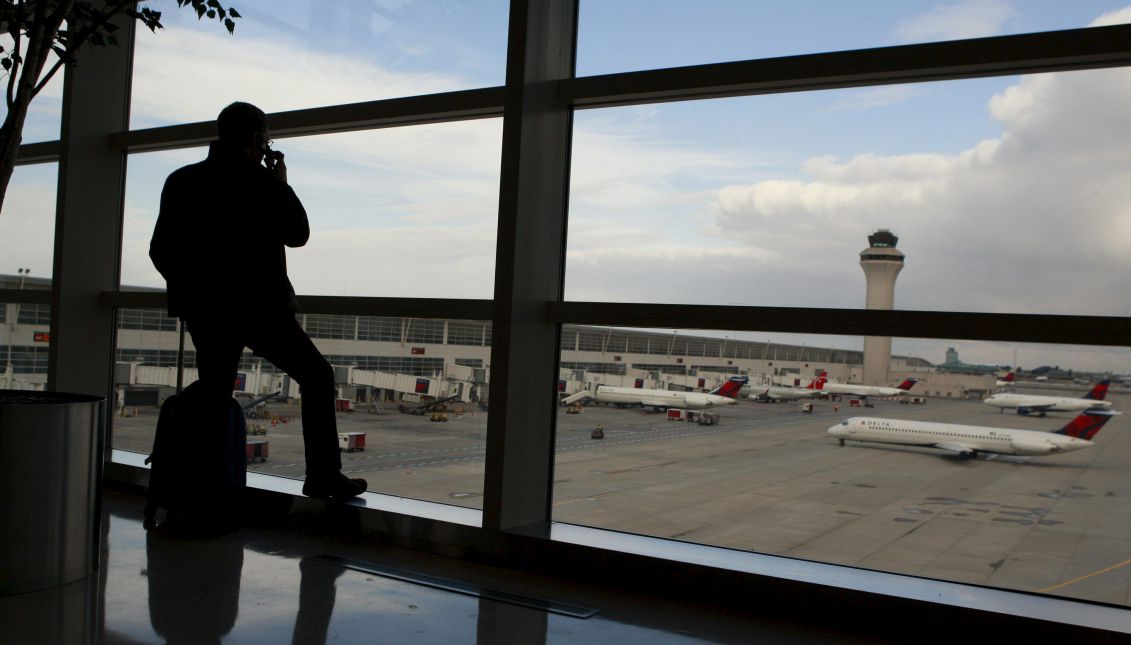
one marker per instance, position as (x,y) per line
(528,311)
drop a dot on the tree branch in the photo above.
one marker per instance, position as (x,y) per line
(15,58)
(73,42)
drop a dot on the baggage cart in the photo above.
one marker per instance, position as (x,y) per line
(351,441)
(257,451)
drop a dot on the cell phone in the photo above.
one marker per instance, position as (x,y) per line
(271,157)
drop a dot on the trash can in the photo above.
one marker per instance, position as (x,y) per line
(50,488)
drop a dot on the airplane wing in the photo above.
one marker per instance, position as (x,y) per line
(956,448)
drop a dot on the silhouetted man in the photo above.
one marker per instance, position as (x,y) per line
(219,242)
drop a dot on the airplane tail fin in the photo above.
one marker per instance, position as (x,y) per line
(1099,391)
(1087,424)
(1008,378)
(731,387)
(908,383)
(818,382)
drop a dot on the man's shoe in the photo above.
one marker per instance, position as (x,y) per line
(335,487)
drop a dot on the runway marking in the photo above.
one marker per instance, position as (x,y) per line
(1086,576)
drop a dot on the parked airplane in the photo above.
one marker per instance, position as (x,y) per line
(773,393)
(967,441)
(662,399)
(1005,381)
(864,391)
(1040,404)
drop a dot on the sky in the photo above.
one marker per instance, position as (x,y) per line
(1008,194)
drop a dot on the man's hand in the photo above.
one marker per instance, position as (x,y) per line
(276,164)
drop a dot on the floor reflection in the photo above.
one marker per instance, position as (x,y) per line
(316,595)
(273,584)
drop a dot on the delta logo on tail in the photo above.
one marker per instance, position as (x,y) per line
(1087,424)
(1098,392)
(731,388)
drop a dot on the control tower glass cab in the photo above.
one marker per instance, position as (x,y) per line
(882,263)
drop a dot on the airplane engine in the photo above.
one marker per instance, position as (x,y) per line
(1023,411)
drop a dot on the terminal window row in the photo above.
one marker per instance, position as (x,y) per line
(24,359)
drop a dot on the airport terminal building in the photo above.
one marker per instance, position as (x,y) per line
(436,357)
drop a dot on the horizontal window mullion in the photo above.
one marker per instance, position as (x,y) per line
(26,296)
(465,309)
(1032,328)
(413,110)
(40,152)
(1070,49)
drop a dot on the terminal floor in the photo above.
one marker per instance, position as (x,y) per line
(267,585)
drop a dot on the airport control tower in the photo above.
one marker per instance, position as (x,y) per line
(881,262)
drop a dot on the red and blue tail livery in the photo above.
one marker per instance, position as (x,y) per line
(1099,391)
(731,387)
(1087,423)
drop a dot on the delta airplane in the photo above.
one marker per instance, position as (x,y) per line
(725,394)
(1041,404)
(773,393)
(864,391)
(967,441)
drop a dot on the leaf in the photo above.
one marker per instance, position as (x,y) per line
(233,13)
(211,13)
(230,25)
(112,40)
(6,63)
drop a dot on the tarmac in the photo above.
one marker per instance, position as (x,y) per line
(769,478)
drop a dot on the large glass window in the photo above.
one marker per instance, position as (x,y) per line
(27,225)
(963,489)
(388,394)
(396,212)
(998,191)
(465,333)
(628,35)
(310,53)
(326,326)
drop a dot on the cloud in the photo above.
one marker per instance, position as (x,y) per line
(210,70)
(27,223)
(406,211)
(1002,226)
(964,19)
